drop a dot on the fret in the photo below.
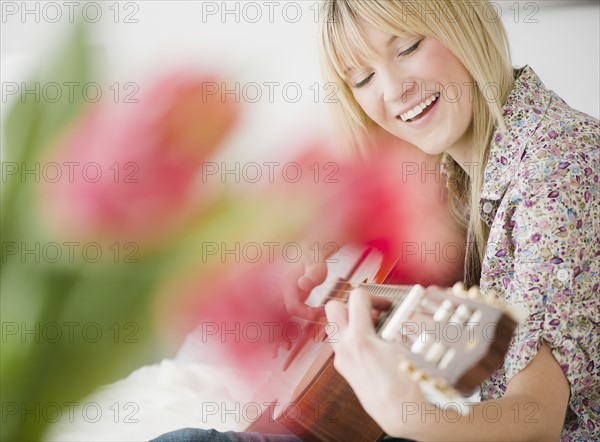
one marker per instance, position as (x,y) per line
(391,292)
(394,293)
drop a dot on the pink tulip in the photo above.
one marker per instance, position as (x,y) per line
(132,165)
(239,307)
(238,312)
(394,201)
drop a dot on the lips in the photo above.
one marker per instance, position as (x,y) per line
(419,110)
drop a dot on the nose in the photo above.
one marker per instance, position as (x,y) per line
(394,86)
(397,88)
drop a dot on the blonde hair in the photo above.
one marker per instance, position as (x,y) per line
(472,31)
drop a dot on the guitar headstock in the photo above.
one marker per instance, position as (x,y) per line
(452,338)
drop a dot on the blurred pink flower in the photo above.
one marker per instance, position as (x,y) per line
(239,306)
(395,201)
(132,165)
(239,312)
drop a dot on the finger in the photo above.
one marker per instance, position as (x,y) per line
(337,320)
(295,306)
(375,315)
(305,283)
(315,274)
(337,313)
(359,312)
(294,296)
(380,303)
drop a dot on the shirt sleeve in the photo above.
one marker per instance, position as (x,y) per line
(556,260)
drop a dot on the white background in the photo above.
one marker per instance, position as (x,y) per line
(559,40)
(262,41)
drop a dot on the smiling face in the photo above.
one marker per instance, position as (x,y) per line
(416,89)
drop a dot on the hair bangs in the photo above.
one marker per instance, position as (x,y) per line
(345,40)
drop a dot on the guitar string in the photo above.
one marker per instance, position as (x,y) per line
(388,297)
(395,293)
(407,339)
(410,337)
(417,311)
(427,311)
(392,292)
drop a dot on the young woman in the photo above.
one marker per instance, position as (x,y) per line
(522,169)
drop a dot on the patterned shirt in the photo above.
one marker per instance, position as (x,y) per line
(540,199)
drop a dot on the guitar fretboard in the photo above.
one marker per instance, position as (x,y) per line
(391,292)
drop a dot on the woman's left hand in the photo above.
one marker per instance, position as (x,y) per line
(367,362)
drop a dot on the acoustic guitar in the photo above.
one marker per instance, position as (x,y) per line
(449,340)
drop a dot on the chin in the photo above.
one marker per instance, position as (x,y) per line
(432,150)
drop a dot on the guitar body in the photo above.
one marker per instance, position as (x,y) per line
(314,402)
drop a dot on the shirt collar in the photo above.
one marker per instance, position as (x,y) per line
(522,113)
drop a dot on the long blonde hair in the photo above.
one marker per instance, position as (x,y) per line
(472,31)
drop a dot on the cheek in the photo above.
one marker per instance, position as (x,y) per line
(455,79)
(441,58)
(447,68)
(369,104)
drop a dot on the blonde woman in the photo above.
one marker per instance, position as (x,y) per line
(522,171)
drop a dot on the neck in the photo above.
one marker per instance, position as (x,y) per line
(463,153)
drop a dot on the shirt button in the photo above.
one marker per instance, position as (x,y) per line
(487,207)
(563,275)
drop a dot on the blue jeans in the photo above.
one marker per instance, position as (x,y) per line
(196,435)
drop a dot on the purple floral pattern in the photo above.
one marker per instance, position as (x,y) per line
(543,252)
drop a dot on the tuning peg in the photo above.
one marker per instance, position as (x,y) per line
(406,366)
(441,385)
(473,293)
(419,375)
(458,289)
(489,298)
(445,390)
(493,300)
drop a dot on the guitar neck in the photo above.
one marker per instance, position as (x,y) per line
(394,293)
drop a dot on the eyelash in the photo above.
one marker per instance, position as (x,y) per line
(408,51)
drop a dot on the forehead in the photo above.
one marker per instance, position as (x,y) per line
(354,40)
(379,43)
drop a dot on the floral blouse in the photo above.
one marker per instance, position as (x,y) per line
(540,199)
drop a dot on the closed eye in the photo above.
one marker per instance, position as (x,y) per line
(363,83)
(404,53)
(412,49)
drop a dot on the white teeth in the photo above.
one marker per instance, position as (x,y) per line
(419,108)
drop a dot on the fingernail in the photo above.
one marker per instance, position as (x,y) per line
(305,283)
